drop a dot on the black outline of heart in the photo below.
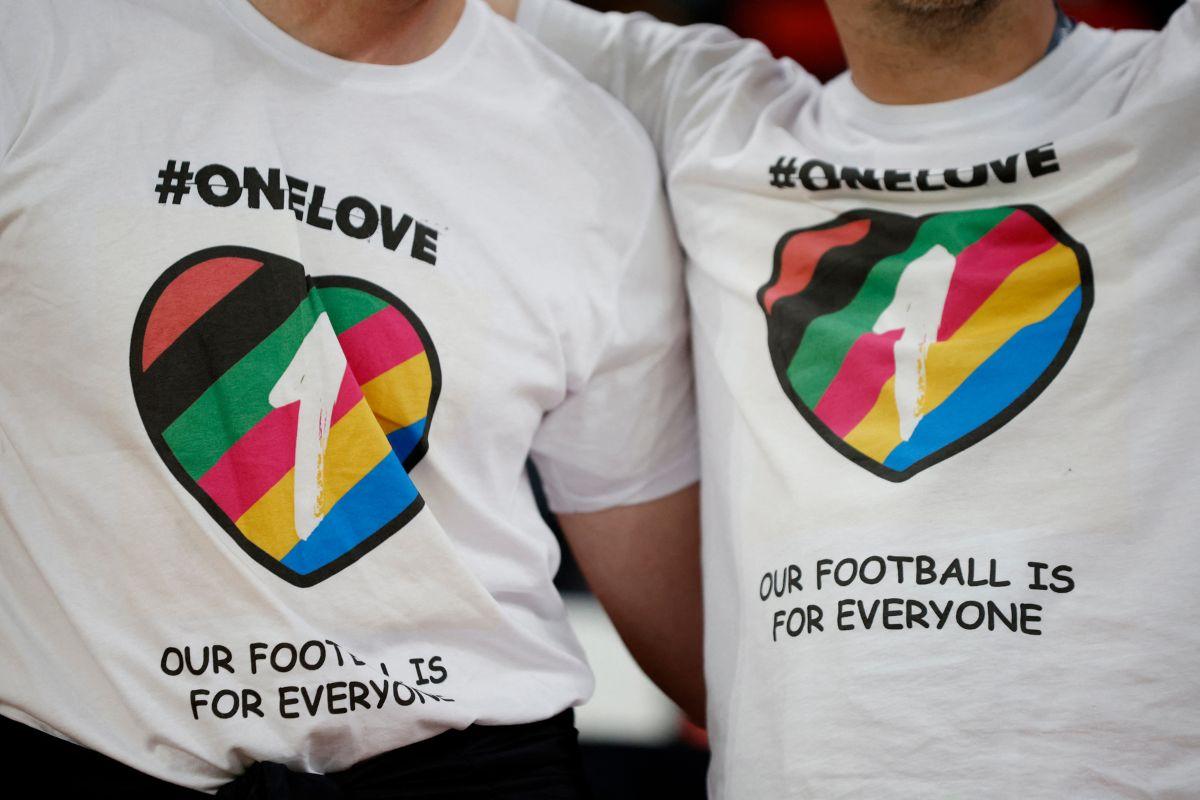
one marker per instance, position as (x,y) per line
(1019,404)
(193,486)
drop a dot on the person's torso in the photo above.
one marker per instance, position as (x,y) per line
(195,215)
(946,370)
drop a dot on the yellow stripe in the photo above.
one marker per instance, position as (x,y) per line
(1027,296)
(879,431)
(355,447)
(400,396)
(271,522)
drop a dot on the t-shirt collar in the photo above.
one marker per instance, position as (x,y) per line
(1037,85)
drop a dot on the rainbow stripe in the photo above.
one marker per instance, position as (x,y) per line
(901,338)
(213,342)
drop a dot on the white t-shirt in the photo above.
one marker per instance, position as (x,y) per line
(947,373)
(249,291)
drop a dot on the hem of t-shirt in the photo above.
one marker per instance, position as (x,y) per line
(438,66)
(679,474)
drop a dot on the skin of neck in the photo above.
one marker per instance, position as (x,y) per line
(388,32)
(904,52)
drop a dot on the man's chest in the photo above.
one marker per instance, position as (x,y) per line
(209,265)
(892,318)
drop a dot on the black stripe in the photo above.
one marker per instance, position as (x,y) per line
(219,339)
(838,277)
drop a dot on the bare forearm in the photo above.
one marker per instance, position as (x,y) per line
(643,564)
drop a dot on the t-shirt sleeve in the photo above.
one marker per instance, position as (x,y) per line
(1182,34)
(675,79)
(626,431)
(1172,64)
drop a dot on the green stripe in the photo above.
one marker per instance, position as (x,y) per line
(238,400)
(347,307)
(829,338)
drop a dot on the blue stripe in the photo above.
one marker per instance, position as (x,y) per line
(992,387)
(379,497)
(403,440)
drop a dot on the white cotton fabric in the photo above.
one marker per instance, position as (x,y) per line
(1094,474)
(556,306)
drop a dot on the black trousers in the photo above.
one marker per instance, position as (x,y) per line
(537,761)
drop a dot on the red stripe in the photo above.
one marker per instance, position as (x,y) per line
(258,460)
(982,267)
(188,298)
(856,387)
(800,255)
(378,343)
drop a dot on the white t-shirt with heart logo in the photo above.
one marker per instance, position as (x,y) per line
(279,334)
(947,373)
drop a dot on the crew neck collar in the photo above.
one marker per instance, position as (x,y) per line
(378,77)
(1040,83)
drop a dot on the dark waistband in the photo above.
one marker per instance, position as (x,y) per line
(476,756)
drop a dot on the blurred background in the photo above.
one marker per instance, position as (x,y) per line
(637,746)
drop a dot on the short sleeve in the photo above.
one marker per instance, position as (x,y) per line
(626,433)
(676,80)
(1171,67)
(9,104)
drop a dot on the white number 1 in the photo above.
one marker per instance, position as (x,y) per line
(314,378)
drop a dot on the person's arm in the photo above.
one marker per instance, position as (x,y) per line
(643,564)
(1187,21)
(676,80)
(1171,66)
(618,454)
(1181,40)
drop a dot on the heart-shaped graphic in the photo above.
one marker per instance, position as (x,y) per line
(290,407)
(905,340)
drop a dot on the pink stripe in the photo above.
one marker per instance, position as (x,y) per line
(349,396)
(982,267)
(265,454)
(379,342)
(857,384)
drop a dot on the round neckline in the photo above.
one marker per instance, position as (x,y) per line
(376,77)
(1039,83)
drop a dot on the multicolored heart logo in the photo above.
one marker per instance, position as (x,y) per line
(290,407)
(905,340)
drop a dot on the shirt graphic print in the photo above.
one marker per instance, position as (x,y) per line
(905,340)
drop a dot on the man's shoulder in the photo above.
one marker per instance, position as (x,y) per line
(1141,66)
(568,108)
